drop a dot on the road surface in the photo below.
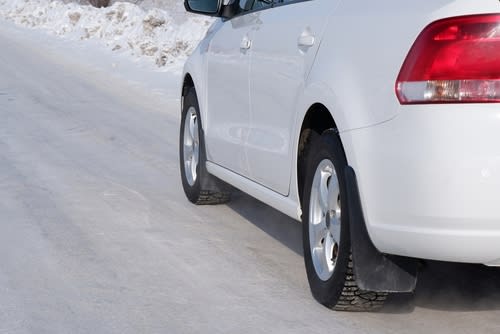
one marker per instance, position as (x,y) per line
(96,235)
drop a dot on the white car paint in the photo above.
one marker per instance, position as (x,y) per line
(226,128)
(430,181)
(428,175)
(278,72)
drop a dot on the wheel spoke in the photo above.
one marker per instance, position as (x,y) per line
(195,133)
(328,251)
(196,155)
(193,168)
(317,253)
(335,229)
(323,193)
(317,232)
(192,125)
(334,206)
(191,145)
(188,150)
(333,192)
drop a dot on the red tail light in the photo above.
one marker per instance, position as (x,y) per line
(454,60)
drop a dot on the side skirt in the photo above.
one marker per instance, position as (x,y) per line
(271,198)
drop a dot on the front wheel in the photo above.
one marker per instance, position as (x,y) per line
(199,186)
(326,234)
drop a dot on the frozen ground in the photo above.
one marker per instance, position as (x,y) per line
(96,235)
(158,31)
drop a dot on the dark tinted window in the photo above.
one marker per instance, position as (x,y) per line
(205,6)
(247,5)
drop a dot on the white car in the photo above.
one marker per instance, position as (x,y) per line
(375,123)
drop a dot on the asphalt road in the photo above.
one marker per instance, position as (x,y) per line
(96,235)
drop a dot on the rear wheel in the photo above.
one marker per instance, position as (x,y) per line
(326,234)
(199,186)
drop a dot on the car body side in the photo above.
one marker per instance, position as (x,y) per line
(428,175)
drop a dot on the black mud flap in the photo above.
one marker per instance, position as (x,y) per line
(373,270)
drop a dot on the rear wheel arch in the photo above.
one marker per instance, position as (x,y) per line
(317,119)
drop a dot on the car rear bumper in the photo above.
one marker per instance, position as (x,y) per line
(429,182)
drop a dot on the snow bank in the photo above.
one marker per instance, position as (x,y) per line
(164,36)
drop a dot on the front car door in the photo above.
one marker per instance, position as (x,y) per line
(228,100)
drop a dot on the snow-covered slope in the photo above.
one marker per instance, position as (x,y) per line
(157,30)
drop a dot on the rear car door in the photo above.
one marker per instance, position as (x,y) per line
(285,41)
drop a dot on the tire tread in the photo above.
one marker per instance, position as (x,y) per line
(353,299)
(208,197)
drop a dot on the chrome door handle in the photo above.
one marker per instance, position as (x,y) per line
(306,39)
(246,43)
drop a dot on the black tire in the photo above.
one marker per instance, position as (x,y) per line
(339,291)
(202,188)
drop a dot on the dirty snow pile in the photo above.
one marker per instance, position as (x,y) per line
(165,36)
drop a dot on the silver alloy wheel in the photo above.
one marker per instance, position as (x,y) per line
(324,219)
(191,145)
